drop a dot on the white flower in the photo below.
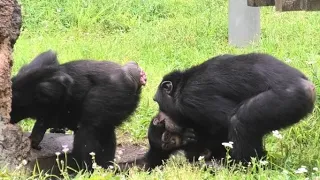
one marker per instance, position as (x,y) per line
(301,170)
(315,169)
(94,165)
(288,60)
(92,154)
(24,162)
(263,162)
(311,62)
(58,153)
(227,144)
(277,134)
(111,167)
(200,158)
(65,150)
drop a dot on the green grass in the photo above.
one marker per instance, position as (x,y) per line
(162,35)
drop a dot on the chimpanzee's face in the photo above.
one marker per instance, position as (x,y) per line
(164,97)
(22,102)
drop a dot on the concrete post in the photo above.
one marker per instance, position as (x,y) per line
(244,23)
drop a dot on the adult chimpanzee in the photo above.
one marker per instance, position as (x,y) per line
(89,97)
(165,137)
(249,95)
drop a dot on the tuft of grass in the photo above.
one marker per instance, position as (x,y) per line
(162,35)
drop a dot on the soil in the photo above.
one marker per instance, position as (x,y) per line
(129,152)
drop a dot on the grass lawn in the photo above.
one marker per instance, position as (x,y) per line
(162,35)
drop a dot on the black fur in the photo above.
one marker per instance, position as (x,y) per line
(247,95)
(89,97)
(193,144)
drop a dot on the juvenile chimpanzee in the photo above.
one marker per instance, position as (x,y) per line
(165,137)
(249,95)
(89,97)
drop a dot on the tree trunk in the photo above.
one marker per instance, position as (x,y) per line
(14,147)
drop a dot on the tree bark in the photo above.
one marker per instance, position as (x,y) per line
(14,146)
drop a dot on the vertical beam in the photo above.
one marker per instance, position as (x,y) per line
(244,23)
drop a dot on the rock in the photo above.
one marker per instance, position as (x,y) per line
(45,158)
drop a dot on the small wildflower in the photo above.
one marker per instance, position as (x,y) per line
(65,150)
(263,162)
(226,144)
(311,62)
(288,60)
(277,134)
(301,170)
(58,153)
(24,162)
(111,167)
(315,169)
(92,154)
(200,158)
(94,165)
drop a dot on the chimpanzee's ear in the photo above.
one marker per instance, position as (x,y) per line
(53,89)
(167,86)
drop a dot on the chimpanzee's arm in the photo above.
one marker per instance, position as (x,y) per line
(37,134)
(155,156)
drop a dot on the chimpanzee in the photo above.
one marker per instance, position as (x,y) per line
(89,97)
(247,95)
(165,137)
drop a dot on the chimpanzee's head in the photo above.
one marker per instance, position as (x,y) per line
(37,87)
(167,94)
(135,73)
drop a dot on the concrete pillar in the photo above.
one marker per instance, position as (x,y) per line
(244,23)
